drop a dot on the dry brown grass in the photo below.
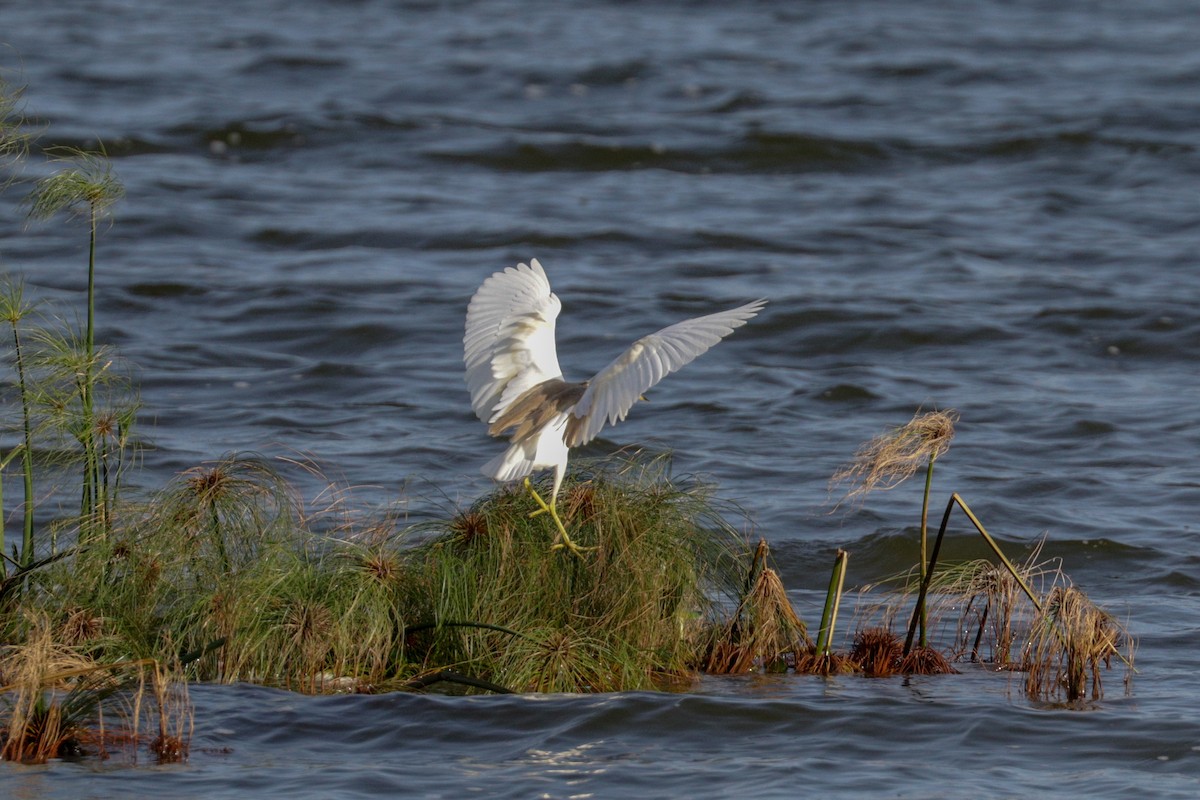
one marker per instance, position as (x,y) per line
(469,526)
(997,610)
(878,652)
(80,626)
(57,700)
(895,456)
(765,631)
(36,728)
(814,663)
(172,711)
(579,501)
(986,606)
(925,661)
(1071,640)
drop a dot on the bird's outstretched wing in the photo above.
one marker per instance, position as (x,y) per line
(618,386)
(509,342)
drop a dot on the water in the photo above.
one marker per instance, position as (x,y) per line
(985,206)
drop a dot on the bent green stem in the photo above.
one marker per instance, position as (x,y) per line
(937,545)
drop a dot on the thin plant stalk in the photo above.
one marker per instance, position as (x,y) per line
(87,187)
(13,309)
(18,450)
(1033,598)
(833,601)
(26,453)
(925,540)
(91,484)
(937,546)
(927,575)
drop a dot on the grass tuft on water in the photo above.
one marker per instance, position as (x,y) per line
(225,572)
(633,613)
(1071,643)
(62,703)
(878,652)
(763,632)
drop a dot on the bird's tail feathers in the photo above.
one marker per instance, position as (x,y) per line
(510,465)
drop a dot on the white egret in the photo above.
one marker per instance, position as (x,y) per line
(516,383)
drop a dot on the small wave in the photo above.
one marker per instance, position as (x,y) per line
(846,393)
(1063,142)
(165,289)
(754,152)
(291,64)
(613,74)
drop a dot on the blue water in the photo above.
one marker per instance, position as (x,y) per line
(982,206)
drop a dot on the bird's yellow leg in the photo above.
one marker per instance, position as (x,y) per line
(563,540)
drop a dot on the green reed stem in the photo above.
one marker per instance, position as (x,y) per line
(927,575)
(925,540)
(999,554)
(26,448)
(218,537)
(937,545)
(90,340)
(90,503)
(833,601)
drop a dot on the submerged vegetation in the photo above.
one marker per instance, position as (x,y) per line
(110,605)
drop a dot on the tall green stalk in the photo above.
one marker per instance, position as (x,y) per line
(925,541)
(3,467)
(15,559)
(87,187)
(14,147)
(13,310)
(26,452)
(91,502)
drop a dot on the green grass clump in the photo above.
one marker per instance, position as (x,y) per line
(633,613)
(225,574)
(223,565)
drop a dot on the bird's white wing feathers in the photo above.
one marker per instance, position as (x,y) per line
(509,342)
(618,386)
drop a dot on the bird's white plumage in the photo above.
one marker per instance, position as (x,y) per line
(509,342)
(618,386)
(546,451)
(509,349)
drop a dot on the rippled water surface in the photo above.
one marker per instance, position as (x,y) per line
(983,206)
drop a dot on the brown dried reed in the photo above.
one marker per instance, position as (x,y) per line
(1070,640)
(878,652)
(765,631)
(895,456)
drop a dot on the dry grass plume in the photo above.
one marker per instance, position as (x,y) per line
(895,456)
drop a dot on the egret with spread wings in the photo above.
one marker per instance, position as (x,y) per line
(516,384)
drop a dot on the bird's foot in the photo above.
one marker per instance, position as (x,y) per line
(563,540)
(545,509)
